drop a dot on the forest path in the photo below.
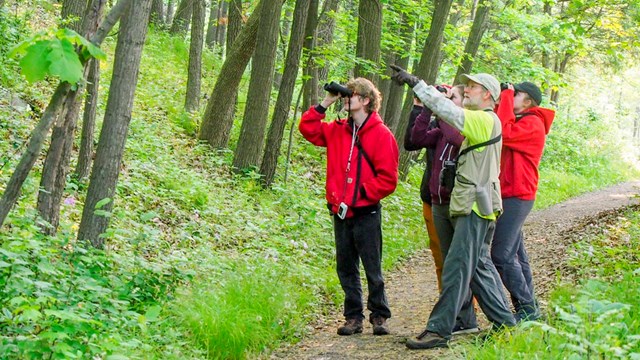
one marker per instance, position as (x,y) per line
(412,288)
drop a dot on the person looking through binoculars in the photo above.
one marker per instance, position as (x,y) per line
(362,169)
(474,206)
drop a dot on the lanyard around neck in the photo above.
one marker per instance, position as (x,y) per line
(353,143)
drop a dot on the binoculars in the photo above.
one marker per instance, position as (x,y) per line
(504,86)
(335,89)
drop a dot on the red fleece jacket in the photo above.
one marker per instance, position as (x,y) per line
(368,181)
(523,139)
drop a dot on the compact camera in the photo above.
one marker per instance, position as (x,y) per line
(342,210)
(448,174)
(337,89)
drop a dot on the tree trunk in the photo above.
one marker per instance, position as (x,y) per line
(310,71)
(222,22)
(326,28)
(369,34)
(218,117)
(180,22)
(235,22)
(283,103)
(427,69)
(249,149)
(104,175)
(157,12)
(393,93)
(212,26)
(285,30)
(194,80)
(170,12)
(480,25)
(85,155)
(74,10)
(37,137)
(56,164)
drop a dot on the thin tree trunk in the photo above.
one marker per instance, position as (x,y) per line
(369,34)
(326,28)
(218,117)
(56,164)
(85,154)
(212,26)
(393,93)
(222,22)
(170,12)
(480,25)
(235,22)
(285,30)
(310,71)
(157,12)
(427,69)
(249,150)
(180,22)
(104,175)
(192,101)
(283,103)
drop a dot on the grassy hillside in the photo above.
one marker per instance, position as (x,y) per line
(199,262)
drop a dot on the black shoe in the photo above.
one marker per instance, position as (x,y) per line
(379,326)
(427,340)
(350,327)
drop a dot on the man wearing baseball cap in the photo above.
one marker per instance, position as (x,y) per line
(475,205)
(524,128)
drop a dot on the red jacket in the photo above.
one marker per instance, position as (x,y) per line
(523,138)
(373,172)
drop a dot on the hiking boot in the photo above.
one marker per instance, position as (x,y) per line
(379,326)
(350,327)
(427,340)
(460,330)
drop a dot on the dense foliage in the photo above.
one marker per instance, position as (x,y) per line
(201,262)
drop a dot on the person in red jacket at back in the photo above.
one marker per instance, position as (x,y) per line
(524,128)
(362,169)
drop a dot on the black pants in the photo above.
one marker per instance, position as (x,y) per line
(360,238)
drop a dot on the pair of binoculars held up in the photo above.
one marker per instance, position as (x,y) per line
(337,89)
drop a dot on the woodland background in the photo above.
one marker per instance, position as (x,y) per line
(159,202)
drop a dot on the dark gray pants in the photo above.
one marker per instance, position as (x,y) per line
(360,238)
(444,225)
(468,264)
(510,256)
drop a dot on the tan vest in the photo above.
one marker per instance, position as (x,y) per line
(477,178)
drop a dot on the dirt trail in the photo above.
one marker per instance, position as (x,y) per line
(412,288)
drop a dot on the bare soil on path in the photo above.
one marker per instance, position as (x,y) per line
(412,287)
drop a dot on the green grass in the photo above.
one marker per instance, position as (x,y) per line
(597,319)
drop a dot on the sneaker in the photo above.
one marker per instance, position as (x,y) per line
(427,340)
(350,327)
(379,326)
(460,330)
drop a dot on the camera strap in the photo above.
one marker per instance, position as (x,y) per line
(473,147)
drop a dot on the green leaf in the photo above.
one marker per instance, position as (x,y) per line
(35,64)
(117,357)
(148,216)
(153,313)
(102,203)
(64,61)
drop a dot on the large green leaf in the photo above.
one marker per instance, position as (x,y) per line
(64,61)
(35,64)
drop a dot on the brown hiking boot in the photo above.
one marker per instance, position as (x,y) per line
(426,340)
(350,327)
(379,326)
